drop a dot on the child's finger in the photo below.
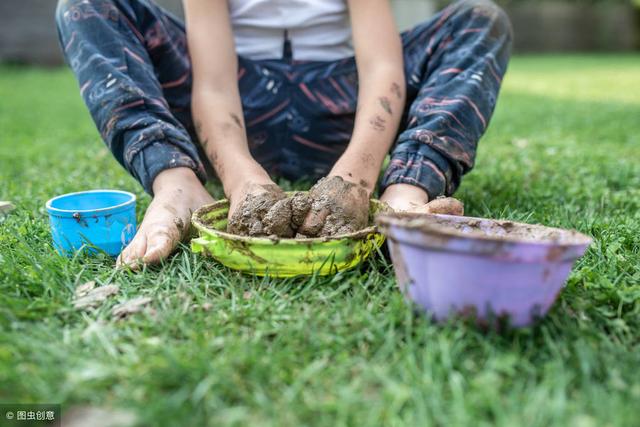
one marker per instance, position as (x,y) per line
(313,222)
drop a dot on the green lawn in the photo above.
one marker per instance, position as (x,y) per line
(563,149)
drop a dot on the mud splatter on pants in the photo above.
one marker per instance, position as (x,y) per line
(134,71)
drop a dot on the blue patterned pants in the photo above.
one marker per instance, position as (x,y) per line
(131,60)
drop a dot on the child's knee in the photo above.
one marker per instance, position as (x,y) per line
(74,11)
(68,11)
(497,19)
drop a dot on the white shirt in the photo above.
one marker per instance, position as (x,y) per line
(318,29)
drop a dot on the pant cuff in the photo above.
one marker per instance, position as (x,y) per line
(157,156)
(416,163)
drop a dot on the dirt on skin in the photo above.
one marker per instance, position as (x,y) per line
(332,206)
(270,213)
(286,215)
(337,207)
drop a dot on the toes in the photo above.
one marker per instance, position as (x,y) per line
(133,253)
(151,245)
(160,244)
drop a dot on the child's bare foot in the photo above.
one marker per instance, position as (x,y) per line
(410,198)
(177,193)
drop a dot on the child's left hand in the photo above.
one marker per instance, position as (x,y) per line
(410,198)
(338,207)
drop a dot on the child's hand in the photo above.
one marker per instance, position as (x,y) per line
(442,206)
(337,207)
(404,197)
(249,206)
(410,198)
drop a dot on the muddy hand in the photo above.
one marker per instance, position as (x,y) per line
(265,210)
(442,205)
(411,198)
(337,207)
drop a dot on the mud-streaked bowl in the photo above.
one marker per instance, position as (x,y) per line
(451,265)
(281,257)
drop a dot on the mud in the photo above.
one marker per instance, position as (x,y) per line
(332,206)
(179,224)
(277,221)
(337,207)
(287,215)
(485,229)
(270,213)
(300,205)
(247,219)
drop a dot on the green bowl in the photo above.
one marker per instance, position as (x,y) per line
(281,257)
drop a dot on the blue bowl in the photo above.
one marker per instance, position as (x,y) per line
(90,220)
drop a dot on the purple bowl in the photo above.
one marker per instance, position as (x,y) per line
(453,265)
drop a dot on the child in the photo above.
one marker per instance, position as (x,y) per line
(295,88)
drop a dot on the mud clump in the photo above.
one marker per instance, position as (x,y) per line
(277,220)
(332,206)
(337,207)
(269,212)
(286,216)
(265,211)
(499,231)
(300,205)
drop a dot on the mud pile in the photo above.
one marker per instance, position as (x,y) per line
(270,213)
(333,206)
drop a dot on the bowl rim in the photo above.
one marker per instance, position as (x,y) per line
(400,219)
(69,212)
(356,235)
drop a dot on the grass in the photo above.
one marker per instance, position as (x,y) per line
(563,150)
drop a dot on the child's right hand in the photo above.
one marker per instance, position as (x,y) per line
(249,205)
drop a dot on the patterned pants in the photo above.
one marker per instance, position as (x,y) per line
(134,71)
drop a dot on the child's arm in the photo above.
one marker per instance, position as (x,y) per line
(216,105)
(378,51)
